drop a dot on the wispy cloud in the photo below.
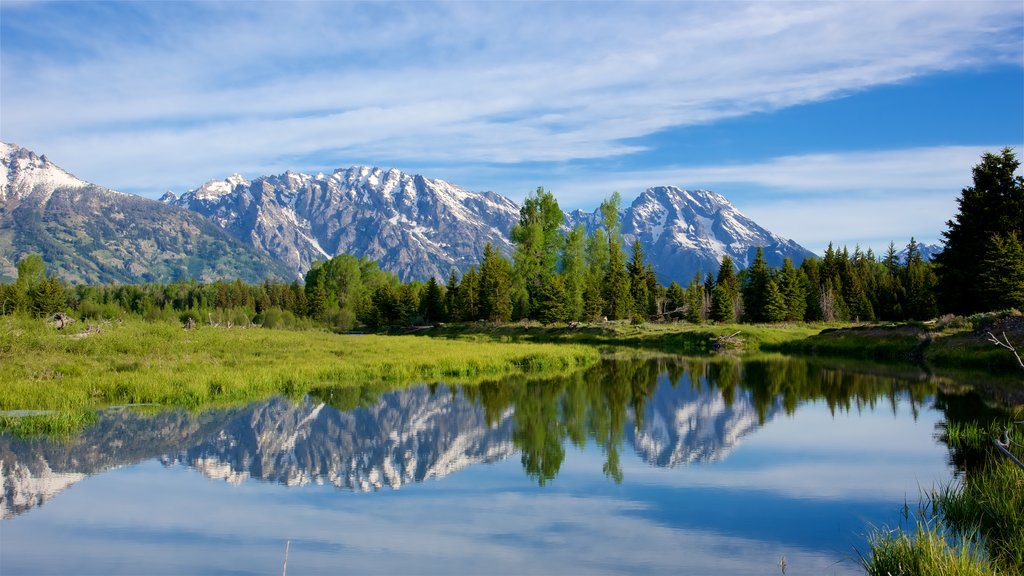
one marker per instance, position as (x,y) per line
(159,96)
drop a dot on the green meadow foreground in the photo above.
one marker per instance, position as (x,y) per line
(54,381)
(72,372)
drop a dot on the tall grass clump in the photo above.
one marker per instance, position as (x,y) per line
(990,498)
(977,522)
(929,550)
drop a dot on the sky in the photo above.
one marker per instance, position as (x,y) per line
(853,122)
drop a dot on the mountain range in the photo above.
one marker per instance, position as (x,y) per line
(276,226)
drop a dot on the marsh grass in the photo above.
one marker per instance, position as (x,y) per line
(72,373)
(672,338)
(975,525)
(929,549)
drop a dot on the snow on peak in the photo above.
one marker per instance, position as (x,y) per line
(214,189)
(23,173)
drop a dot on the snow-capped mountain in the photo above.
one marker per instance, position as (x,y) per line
(417,227)
(927,252)
(276,226)
(87,233)
(413,226)
(685,232)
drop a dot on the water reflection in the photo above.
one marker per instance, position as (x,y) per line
(669,411)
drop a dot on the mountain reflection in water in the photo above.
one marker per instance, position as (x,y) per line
(671,412)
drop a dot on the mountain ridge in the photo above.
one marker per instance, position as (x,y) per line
(277,226)
(90,234)
(419,227)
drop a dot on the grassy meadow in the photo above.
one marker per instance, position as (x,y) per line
(72,372)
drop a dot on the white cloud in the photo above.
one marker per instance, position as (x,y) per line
(210,90)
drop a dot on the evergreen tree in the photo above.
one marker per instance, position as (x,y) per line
(655,293)
(432,304)
(725,293)
(919,285)
(1002,275)
(638,281)
(775,308)
(618,301)
(574,271)
(48,297)
(676,297)
(994,205)
(616,290)
(495,286)
(451,292)
(755,291)
(596,256)
(552,305)
(794,292)
(467,297)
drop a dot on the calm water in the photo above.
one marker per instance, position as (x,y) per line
(674,467)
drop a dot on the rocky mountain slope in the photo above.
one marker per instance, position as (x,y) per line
(413,226)
(688,231)
(417,227)
(89,234)
(276,226)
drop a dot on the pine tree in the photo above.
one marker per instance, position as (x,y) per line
(468,296)
(676,297)
(794,291)
(596,258)
(616,291)
(574,271)
(432,306)
(994,205)
(755,291)
(1002,275)
(552,305)
(618,301)
(638,281)
(775,308)
(725,292)
(495,286)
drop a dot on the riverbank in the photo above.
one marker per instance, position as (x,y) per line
(72,372)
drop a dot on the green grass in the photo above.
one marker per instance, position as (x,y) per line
(134,362)
(673,338)
(977,524)
(928,551)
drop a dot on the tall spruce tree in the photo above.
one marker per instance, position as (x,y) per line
(1002,275)
(616,292)
(574,271)
(993,206)
(755,290)
(638,281)
(725,292)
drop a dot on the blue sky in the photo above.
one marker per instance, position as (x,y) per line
(853,122)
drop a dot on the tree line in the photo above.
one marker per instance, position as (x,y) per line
(559,276)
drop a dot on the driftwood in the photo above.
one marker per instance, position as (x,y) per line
(1005,343)
(725,342)
(1004,443)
